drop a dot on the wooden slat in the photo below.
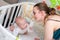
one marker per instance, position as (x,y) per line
(11,16)
(16,14)
(3,12)
(7,16)
(20,11)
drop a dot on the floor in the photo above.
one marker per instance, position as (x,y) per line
(2,3)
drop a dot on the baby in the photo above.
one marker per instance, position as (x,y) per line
(21,26)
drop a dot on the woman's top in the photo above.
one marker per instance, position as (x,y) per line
(56,34)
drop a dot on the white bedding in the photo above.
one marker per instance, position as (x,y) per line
(5,35)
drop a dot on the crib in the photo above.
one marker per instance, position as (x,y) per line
(8,14)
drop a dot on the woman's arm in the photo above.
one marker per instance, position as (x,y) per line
(49,29)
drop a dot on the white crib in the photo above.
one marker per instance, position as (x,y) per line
(8,14)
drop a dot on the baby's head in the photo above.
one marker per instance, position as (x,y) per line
(21,22)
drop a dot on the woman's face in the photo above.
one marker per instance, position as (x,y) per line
(38,15)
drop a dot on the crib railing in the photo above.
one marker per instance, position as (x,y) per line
(8,13)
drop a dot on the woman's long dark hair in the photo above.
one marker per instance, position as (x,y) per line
(43,6)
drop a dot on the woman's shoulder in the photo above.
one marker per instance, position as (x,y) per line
(55,17)
(52,18)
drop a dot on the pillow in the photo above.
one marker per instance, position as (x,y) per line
(27,10)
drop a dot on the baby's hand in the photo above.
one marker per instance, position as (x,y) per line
(11,28)
(26,33)
(30,28)
(36,38)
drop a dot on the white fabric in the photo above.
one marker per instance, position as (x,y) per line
(18,30)
(8,36)
(39,29)
(5,35)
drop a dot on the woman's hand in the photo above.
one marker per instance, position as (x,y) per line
(36,38)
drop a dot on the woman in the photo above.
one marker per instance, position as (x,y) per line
(42,13)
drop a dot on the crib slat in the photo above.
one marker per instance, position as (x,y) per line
(3,12)
(11,15)
(7,16)
(16,13)
(20,11)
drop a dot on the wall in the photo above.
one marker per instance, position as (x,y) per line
(36,1)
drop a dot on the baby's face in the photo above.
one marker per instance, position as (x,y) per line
(22,23)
